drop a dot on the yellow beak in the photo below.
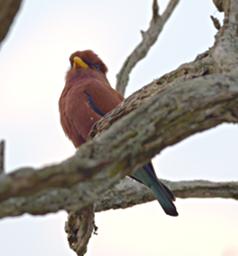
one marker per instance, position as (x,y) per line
(79,63)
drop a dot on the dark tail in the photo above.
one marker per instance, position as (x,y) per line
(147,176)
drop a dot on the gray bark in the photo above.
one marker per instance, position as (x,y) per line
(125,194)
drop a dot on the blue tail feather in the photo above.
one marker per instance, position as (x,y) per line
(147,176)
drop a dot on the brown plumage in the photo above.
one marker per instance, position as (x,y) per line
(86,97)
(74,99)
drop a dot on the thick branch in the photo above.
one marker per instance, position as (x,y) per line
(221,58)
(201,66)
(149,37)
(8,11)
(186,107)
(225,50)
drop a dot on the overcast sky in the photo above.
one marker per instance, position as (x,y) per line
(33,63)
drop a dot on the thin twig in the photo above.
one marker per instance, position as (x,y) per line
(216,22)
(219,4)
(2,156)
(149,37)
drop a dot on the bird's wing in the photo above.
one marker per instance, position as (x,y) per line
(102,98)
(88,104)
(93,104)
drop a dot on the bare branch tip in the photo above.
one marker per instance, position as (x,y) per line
(216,22)
(219,5)
(2,156)
(155,9)
(142,33)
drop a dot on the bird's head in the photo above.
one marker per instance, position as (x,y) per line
(87,60)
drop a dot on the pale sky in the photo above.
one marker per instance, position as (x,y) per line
(33,63)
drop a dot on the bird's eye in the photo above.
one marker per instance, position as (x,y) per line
(97,67)
(93,65)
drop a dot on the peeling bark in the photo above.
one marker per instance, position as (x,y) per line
(80,226)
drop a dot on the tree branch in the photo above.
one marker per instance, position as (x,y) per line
(149,37)
(186,107)
(2,156)
(195,97)
(8,11)
(129,193)
(125,194)
(203,65)
(80,226)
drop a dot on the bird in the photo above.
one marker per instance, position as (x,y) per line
(86,97)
